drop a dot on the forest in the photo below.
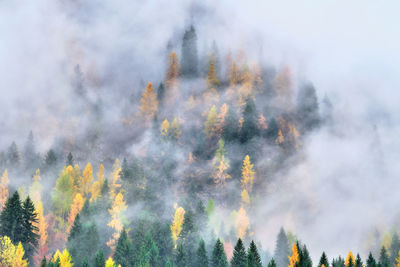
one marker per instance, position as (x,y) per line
(189,166)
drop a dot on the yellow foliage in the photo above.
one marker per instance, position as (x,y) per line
(280,139)
(115,179)
(3,189)
(245,197)
(247,174)
(350,258)
(11,255)
(219,174)
(117,211)
(176,226)
(210,125)
(171,76)
(87,179)
(19,256)
(212,80)
(294,258)
(164,127)
(76,208)
(41,225)
(65,258)
(148,103)
(242,223)
(110,262)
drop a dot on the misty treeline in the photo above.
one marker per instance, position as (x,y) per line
(175,179)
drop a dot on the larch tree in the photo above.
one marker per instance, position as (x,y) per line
(42,232)
(211,122)
(171,77)
(295,257)
(350,260)
(248,174)
(177,223)
(212,79)
(115,179)
(117,215)
(148,103)
(87,179)
(76,208)
(221,165)
(283,86)
(3,189)
(242,223)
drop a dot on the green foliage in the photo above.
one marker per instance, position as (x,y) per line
(239,258)
(253,257)
(180,256)
(99,260)
(323,260)
(218,258)
(282,252)
(371,261)
(201,259)
(124,250)
(384,260)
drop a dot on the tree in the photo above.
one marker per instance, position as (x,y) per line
(181,256)
(249,128)
(3,189)
(50,159)
(171,77)
(124,250)
(30,230)
(110,262)
(358,262)
(189,60)
(272,263)
(384,260)
(117,212)
(99,260)
(87,179)
(212,79)
(218,256)
(247,174)
(371,261)
(281,253)
(201,259)
(12,220)
(350,260)
(394,249)
(253,257)
(239,258)
(210,125)
(295,257)
(176,226)
(307,109)
(76,208)
(148,103)
(323,260)
(70,159)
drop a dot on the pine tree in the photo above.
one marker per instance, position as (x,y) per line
(124,250)
(371,261)
(30,220)
(323,260)
(189,60)
(253,257)
(384,260)
(218,256)
(239,258)
(201,259)
(99,260)
(281,253)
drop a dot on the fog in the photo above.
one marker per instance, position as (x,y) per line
(342,186)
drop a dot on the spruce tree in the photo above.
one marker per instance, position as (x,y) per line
(218,256)
(339,262)
(359,262)
(371,261)
(201,255)
(323,260)
(307,107)
(189,62)
(394,249)
(124,250)
(384,258)
(305,259)
(70,159)
(282,252)
(99,260)
(253,257)
(43,263)
(271,263)
(11,219)
(50,159)
(76,229)
(239,258)
(30,236)
(180,256)
(249,128)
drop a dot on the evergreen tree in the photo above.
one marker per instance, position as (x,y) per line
(339,262)
(282,251)
(384,260)
(12,220)
(394,249)
(239,258)
(70,160)
(13,157)
(43,263)
(124,250)
(189,62)
(249,128)
(272,263)
(160,94)
(323,260)
(180,256)
(305,259)
(30,236)
(99,260)
(201,255)
(371,261)
(76,229)
(253,257)
(218,256)
(359,262)
(273,129)
(230,130)
(50,159)
(30,156)
(307,107)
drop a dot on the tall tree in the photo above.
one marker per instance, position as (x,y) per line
(239,258)
(307,109)
(384,260)
(30,230)
(201,259)
(253,257)
(218,258)
(249,128)
(394,249)
(323,260)
(189,60)
(281,253)
(371,261)
(148,103)
(124,250)
(12,220)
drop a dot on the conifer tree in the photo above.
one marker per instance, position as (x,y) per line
(394,249)
(12,220)
(281,253)
(371,261)
(180,256)
(189,60)
(384,260)
(99,260)
(218,258)
(124,250)
(148,103)
(3,189)
(30,236)
(201,255)
(358,262)
(239,258)
(272,263)
(253,257)
(323,260)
